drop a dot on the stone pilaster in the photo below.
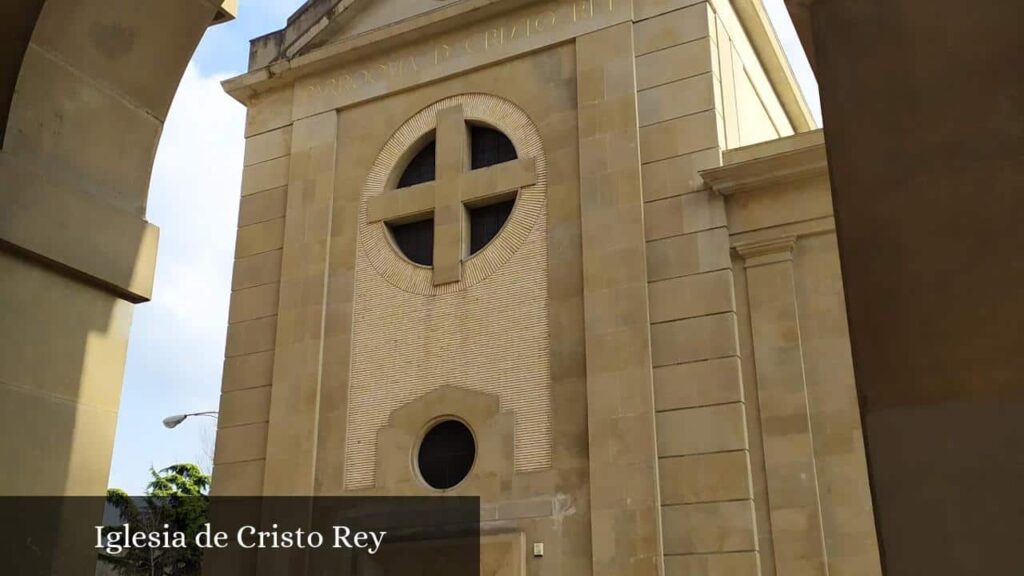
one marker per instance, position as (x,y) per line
(252,320)
(292,431)
(625,517)
(709,526)
(785,421)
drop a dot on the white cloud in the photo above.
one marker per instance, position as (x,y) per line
(194,201)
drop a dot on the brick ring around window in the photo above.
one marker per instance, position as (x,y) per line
(376,241)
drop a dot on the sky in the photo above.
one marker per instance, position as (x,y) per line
(176,348)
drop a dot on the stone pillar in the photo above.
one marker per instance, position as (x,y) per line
(252,320)
(76,252)
(785,422)
(95,80)
(625,517)
(292,432)
(924,156)
(708,514)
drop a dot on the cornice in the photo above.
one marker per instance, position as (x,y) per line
(286,71)
(774,169)
(227,10)
(297,58)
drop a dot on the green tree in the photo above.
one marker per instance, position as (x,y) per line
(176,497)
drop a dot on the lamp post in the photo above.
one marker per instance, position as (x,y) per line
(173,421)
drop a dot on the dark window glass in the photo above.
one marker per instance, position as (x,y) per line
(446,454)
(485,223)
(416,240)
(422,168)
(490,147)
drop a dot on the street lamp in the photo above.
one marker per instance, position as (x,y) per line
(172,421)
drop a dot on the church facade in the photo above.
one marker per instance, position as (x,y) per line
(575,257)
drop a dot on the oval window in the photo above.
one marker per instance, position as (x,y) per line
(446,454)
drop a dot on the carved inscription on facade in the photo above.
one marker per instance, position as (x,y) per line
(509,35)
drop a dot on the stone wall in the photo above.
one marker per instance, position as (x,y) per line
(665,454)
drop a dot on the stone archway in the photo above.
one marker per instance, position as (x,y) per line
(85,86)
